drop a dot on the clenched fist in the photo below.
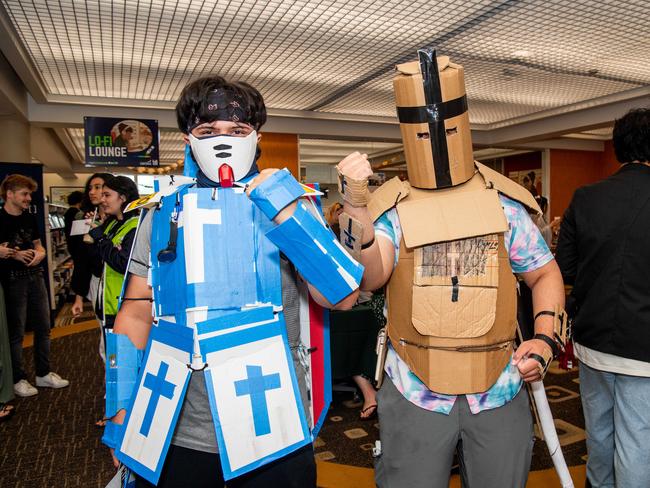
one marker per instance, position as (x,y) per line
(355,166)
(354,172)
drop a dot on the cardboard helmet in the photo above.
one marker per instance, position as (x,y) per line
(433,118)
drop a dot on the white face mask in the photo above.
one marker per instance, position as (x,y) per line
(214,151)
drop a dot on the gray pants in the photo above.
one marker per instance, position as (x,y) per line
(494,446)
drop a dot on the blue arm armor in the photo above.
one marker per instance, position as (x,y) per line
(276,192)
(317,254)
(122,364)
(112,434)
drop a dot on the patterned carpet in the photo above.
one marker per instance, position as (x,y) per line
(52,440)
(64,317)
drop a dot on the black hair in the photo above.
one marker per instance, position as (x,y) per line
(631,136)
(124,186)
(192,105)
(75,197)
(542,202)
(86,205)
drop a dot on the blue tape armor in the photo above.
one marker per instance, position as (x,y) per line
(317,254)
(232,263)
(276,192)
(122,365)
(112,434)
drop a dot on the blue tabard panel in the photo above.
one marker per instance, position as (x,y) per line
(223,261)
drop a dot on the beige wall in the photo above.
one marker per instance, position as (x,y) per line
(15,138)
(53,179)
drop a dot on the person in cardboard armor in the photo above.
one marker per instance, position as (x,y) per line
(447,244)
(212,388)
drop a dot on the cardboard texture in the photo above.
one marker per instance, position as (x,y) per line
(351,233)
(409,92)
(445,371)
(436,314)
(473,261)
(452,216)
(453,287)
(467,310)
(387,196)
(496,180)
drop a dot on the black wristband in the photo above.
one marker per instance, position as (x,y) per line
(544,312)
(539,359)
(552,344)
(368,244)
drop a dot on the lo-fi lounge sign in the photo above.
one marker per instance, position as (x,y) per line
(121,142)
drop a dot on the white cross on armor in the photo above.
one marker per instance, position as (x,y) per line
(454,256)
(193,218)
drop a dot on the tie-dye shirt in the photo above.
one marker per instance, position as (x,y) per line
(527,251)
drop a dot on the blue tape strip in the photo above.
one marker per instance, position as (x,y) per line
(256,384)
(226,341)
(162,333)
(276,192)
(167,278)
(112,434)
(317,255)
(159,387)
(240,268)
(251,316)
(122,363)
(233,340)
(190,168)
(174,335)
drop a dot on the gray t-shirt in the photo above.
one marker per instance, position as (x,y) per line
(195,428)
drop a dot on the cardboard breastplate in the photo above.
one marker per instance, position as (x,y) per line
(452,296)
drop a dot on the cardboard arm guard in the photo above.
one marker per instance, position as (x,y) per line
(122,365)
(561,332)
(276,192)
(317,255)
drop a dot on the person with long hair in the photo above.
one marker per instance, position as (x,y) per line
(86,261)
(113,240)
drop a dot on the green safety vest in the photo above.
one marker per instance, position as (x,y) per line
(113,279)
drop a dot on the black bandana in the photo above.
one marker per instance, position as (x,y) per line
(221,104)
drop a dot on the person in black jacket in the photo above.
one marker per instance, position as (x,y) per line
(604,251)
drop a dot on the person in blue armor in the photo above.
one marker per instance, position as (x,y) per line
(206,387)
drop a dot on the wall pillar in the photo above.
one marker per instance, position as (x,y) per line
(14,140)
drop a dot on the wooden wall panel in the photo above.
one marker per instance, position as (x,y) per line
(610,164)
(279,151)
(569,171)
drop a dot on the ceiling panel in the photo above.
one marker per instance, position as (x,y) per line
(337,56)
(292,51)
